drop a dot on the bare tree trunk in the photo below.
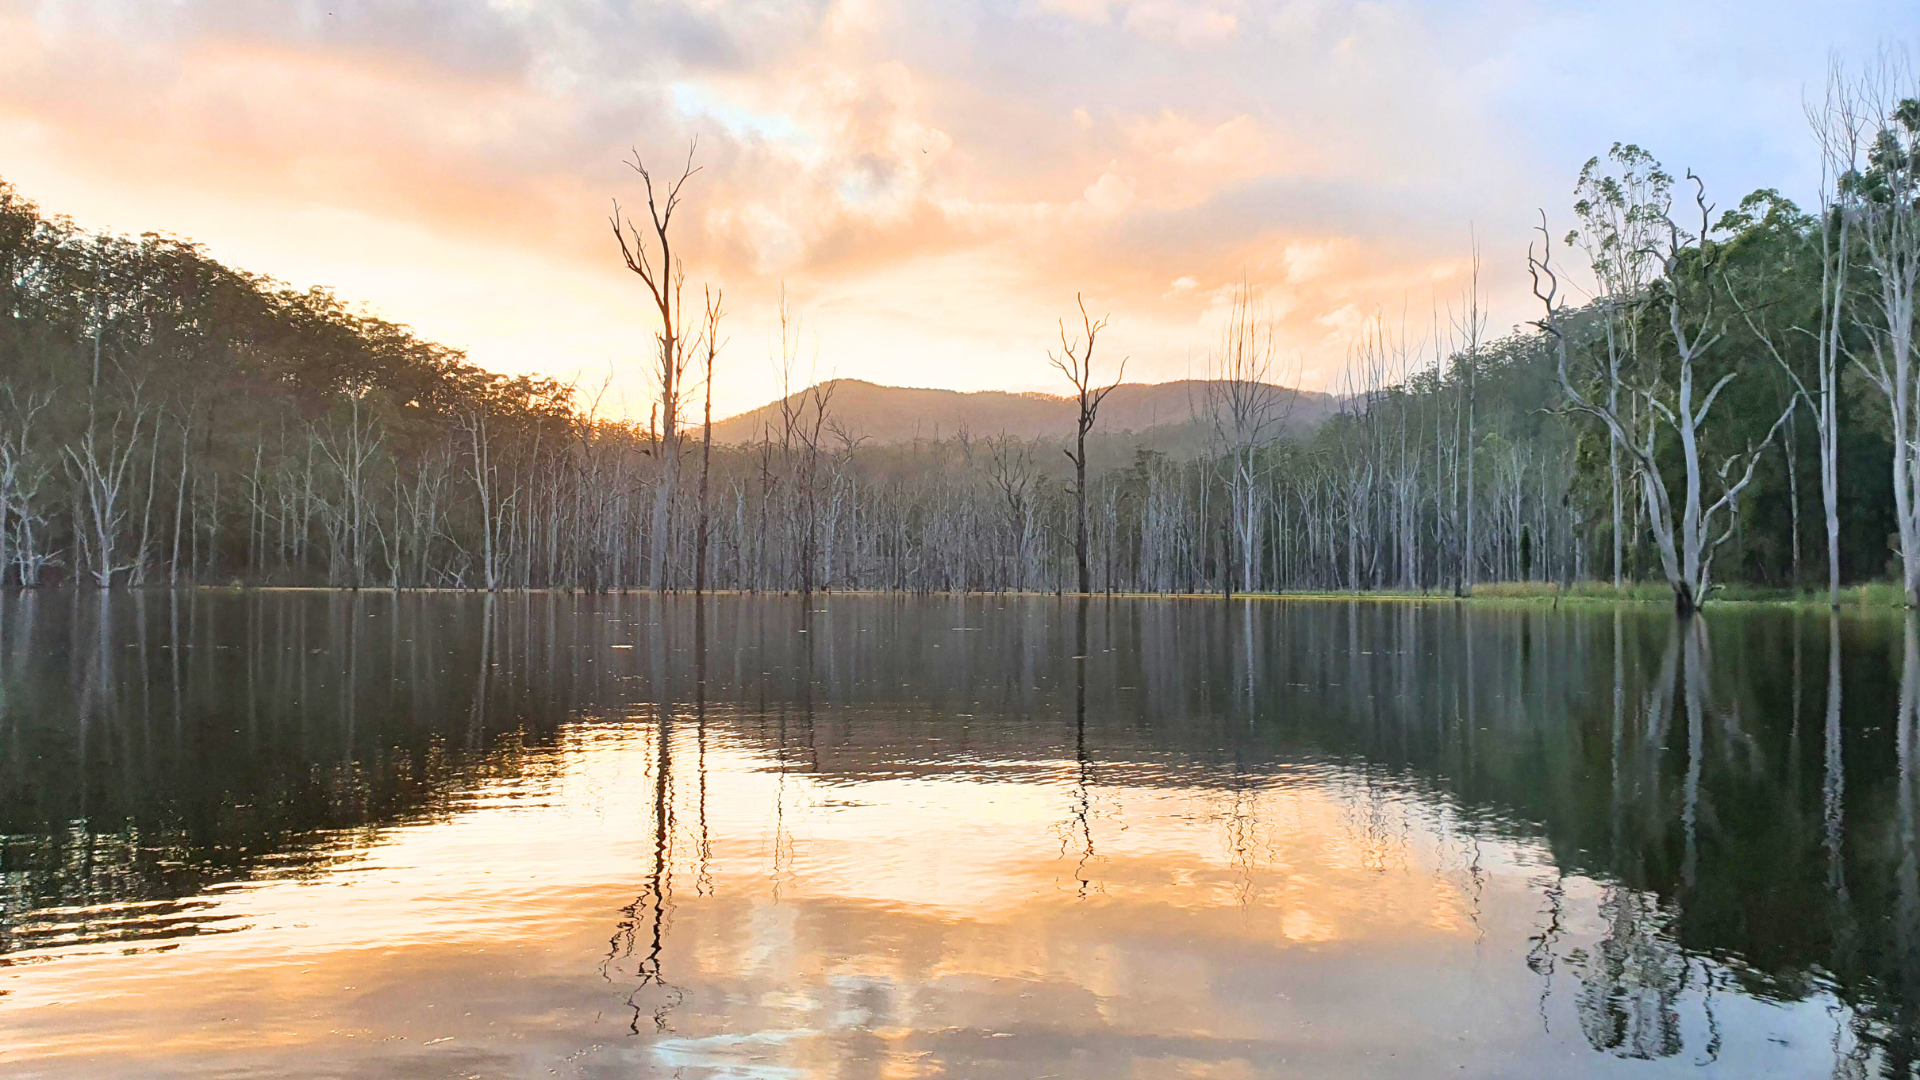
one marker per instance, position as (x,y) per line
(1878,108)
(1686,545)
(665,284)
(700,542)
(1076,363)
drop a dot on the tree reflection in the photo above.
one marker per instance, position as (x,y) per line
(152,747)
(1630,981)
(641,932)
(1081,810)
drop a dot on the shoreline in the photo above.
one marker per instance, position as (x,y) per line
(1873,596)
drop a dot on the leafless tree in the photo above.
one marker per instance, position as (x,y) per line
(1470,326)
(805,423)
(1012,471)
(710,337)
(21,476)
(1076,363)
(1245,409)
(350,452)
(100,466)
(494,502)
(664,275)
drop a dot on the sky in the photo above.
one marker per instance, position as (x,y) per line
(931,184)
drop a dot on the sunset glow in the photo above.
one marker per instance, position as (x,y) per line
(932,184)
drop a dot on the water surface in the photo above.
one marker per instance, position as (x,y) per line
(327,834)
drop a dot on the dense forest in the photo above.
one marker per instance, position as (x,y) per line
(1708,395)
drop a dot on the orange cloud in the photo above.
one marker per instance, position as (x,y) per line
(932,186)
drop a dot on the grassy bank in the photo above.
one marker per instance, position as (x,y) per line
(1876,594)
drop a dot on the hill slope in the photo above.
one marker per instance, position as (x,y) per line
(897,414)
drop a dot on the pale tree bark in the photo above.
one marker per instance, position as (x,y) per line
(1622,218)
(665,278)
(100,466)
(1010,468)
(1244,408)
(1470,326)
(1837,126)
(1883,203)
(21,475)
(1685,540)
(804,423)
(494,505)
(349,453)
(711,337)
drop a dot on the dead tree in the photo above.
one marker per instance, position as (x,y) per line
(665,278)
(1836,126)
(485,474)
(1245,408)
(21,474)
(711,336)
(100,466)
(1076,363)
(1010,467)
(349,454)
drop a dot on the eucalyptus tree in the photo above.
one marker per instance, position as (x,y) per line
(1797,322)
(1469,327)
(1622,218)
(1837,130)
(805,426)
(350,452)
(1686,294)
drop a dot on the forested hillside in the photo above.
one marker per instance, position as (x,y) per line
(898,414)
(1714,384)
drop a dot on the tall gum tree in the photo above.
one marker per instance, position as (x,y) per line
(1671,397)
(1621,215)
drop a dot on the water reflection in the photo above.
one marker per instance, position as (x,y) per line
(521,834)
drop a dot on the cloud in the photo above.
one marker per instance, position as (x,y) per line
(931,183)
(1189,24)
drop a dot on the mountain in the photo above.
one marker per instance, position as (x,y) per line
(897,414)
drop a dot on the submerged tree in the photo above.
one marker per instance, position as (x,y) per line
(664,275)
(1076,363)
(1243,407)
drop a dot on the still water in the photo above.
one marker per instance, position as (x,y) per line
(323,834)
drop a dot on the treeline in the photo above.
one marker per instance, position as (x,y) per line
(1722,388)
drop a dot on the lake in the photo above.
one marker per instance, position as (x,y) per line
(531,835)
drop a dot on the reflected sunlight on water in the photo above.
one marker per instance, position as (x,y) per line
(447,836)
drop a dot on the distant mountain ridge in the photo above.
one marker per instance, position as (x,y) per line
(898,414)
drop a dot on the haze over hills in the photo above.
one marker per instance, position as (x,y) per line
(898,414)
